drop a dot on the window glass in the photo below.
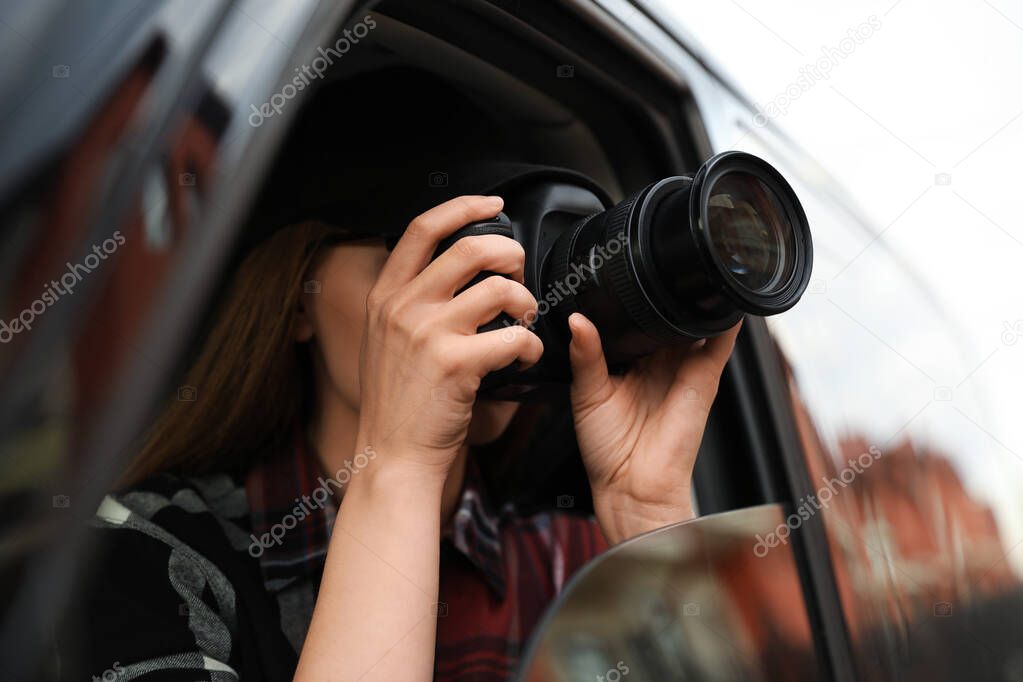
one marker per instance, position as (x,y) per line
(919,501)
(97,245)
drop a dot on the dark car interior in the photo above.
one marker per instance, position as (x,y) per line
(557,91)
(483,85)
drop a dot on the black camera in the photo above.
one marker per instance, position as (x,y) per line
(682,259)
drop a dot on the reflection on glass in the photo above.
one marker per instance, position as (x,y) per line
(919,562)
(693,601)
(926,540)
(126,269)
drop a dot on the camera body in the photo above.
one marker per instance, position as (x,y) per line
(683,259)
(536,216)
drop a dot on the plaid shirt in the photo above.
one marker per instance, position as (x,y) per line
(498,571)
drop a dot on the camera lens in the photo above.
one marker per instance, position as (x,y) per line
(686,257)
(749,233)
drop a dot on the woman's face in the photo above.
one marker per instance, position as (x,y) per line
(334,319)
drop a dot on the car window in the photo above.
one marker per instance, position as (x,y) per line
(114,237)
(77,287)
(917,497)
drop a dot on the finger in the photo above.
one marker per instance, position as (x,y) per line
(591,384)
(415,248)
(499,348)
(699,373)
(466,258)
(715,351)
(484,301)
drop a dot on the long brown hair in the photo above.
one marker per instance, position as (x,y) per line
(251,383)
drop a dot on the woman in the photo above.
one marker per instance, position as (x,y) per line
(340,373)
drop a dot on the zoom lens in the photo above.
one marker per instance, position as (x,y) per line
(686,257)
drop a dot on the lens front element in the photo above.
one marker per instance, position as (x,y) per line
(750,234)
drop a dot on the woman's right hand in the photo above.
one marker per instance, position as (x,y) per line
(422,359)
(420,367)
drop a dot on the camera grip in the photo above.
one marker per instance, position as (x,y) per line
(499,225)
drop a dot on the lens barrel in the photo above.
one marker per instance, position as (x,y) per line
(685,257)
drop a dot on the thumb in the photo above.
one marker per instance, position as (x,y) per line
(591,384)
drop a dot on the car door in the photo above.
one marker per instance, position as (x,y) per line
(129,151)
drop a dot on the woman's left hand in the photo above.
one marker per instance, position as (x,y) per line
(639,433)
